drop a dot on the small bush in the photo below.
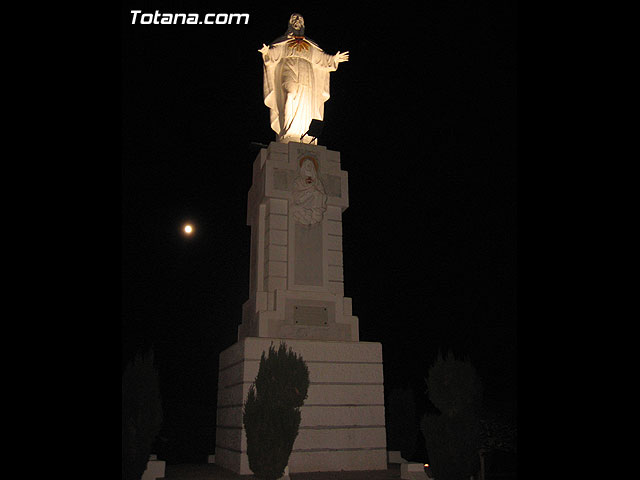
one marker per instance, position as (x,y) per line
(141,415)
(453,437)
(271,415)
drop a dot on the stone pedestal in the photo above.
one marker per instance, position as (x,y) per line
(342,425)
(412,471)
(296,283)
(296,295)
(155,468)
(394,456)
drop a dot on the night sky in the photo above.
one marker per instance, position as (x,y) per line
(424,116)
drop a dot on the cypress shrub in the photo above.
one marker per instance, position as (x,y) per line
(453,437)
(141,415)
(271,414)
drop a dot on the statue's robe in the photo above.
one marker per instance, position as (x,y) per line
(304,68)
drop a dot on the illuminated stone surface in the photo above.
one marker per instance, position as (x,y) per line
(395,456)
(342,425)
(155,468)
(412,471)
(296,295)
(296,81)
(296,286)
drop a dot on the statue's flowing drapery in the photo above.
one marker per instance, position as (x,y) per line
(296,85)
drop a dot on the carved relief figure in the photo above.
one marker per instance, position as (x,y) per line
(296,81)
(309,196)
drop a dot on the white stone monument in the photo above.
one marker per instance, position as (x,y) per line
(296,295)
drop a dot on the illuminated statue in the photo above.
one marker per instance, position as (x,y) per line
(296,81)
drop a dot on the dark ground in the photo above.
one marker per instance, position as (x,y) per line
(500,466)
(214,472)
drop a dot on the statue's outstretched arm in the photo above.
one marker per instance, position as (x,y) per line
(327,61)
(264,51)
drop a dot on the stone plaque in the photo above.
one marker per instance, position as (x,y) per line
(306,315)
(280,179)
(333,185)
(308,255)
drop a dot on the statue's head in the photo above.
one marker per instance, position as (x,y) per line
(296,24)
(309,169)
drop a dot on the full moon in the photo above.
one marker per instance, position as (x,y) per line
(188,229)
